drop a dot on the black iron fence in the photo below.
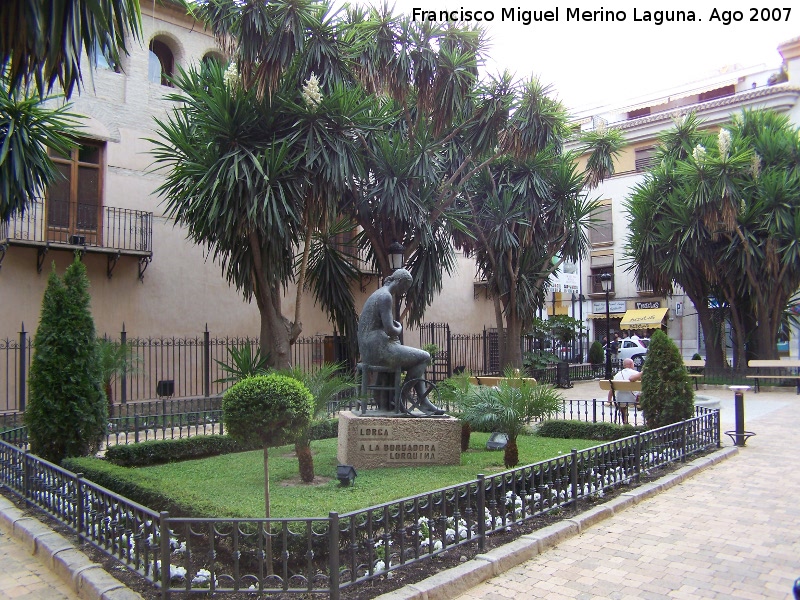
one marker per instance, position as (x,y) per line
(327,555)
(188,365)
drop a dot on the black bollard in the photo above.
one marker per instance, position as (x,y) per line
(796,589)
(739,435)
(738,400)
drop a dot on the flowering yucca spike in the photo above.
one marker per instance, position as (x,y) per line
(724,142)
(311,94)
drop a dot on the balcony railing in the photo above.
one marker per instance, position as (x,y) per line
(103,228)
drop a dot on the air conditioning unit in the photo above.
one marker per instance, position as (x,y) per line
(77,240)
(165,388)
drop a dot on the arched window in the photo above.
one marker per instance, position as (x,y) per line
(212,57)
(161,64)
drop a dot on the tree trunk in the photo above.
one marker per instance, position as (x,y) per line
(764,335)
(511,454)
(277,332)
(512,350)
(276,329)
(714,333)
(466,431)
(305,460)
(739,341)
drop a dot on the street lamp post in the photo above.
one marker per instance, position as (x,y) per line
(606,279)
(581,299)
(574,299)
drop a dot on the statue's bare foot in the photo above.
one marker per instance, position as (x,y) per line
(430,409)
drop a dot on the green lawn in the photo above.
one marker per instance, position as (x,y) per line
(232,485)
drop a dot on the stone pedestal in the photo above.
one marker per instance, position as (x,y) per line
(370,442)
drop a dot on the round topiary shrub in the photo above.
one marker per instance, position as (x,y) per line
(272,409)
(667,395)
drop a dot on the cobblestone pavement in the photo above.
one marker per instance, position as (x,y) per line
(24,577)
(731,531)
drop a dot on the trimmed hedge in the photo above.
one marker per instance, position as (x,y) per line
(130,483)
(154,452)
(324,430)
(604,432)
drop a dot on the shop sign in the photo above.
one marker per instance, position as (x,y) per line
(614,306)
(651,304)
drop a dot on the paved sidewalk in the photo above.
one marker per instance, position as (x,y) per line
(36,563)
(730,531)
(24,577)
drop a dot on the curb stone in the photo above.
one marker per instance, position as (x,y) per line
(89,580)
(456,581)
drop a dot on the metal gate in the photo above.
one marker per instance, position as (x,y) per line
(437,334)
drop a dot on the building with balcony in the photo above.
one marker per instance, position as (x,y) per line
(713,100)
(143,271)
(146,274)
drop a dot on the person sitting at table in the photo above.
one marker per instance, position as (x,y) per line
(625,399)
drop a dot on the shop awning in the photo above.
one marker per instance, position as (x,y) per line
(643,317)
(603,316)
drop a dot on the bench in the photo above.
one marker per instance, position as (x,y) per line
(775,369)
(691,368)
(613,386)
(493,381)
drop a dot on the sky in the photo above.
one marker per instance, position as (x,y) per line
(599,62)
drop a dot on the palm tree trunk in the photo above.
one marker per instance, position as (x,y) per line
(305,460)
(714,332)
(511,454)
(277,332)
(466,432)
(512,349)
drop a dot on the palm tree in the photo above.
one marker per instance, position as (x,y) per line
(253,179)
(115,359)
(326,383)
(509,408)
(727,226)
(42,43)
(527,215)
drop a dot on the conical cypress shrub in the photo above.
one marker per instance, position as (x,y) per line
(667,395)
(66,413)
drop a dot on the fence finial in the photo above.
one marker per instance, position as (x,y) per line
(23,327)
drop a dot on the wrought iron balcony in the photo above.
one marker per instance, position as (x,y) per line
(81,227)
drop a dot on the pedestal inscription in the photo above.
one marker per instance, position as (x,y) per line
(371,442)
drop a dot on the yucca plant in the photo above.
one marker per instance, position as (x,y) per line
(509,408)
(243,363)
(27,129)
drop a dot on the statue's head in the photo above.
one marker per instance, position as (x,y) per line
(399,281)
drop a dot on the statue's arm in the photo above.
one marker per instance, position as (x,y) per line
(390,326)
